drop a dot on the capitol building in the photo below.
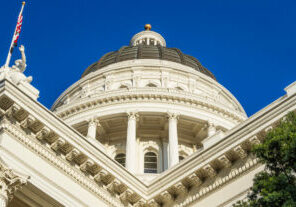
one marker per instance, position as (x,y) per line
(144,126)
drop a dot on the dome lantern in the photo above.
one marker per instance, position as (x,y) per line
(147,37)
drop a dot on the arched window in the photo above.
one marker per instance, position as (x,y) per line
(120,158)
(150,162)
(181,158)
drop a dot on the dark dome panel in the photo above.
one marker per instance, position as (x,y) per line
(170,54)
(127,53)
(141,51)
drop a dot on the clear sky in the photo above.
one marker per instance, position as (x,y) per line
(249,45)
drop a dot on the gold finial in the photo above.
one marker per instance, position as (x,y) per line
(23,2)
(147,27)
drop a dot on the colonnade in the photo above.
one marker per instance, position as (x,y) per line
(170,148)
(131,140)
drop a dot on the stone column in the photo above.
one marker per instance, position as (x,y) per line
(131,142)
(211,129)
(92,128)
(3,200)
(173,139)
(165,153)
(10,182)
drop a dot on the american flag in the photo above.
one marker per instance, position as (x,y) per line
(17,31)
(16,35)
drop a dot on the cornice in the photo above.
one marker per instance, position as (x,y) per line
(153,95)
(50,134)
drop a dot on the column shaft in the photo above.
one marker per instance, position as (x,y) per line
(165,154)
(211,129)
(173,140)
(131,143)
(3,201)
(92,129)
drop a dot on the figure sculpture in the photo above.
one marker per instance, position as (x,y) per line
(20,64)
(19,68)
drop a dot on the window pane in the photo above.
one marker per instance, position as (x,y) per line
(150,159)
(150,165)
(150,171)
(150,162)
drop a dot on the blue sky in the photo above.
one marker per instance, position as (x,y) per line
(249,45)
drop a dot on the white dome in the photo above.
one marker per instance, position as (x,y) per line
(139,105)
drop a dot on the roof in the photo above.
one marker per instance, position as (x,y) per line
(148,52)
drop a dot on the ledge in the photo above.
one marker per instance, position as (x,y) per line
(291,89)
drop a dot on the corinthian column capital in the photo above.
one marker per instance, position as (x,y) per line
(94,121)
(173,115)
(10,182)
(132,114)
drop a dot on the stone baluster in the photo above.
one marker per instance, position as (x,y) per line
(131,142)
(173,139)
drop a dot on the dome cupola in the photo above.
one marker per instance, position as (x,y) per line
(147,37)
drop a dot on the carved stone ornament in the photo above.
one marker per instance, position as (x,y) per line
(94,121)
(172,115)
(10,182)
(132,115)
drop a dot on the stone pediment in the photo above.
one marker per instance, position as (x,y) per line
(40,130)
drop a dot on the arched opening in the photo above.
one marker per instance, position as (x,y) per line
(120,158)
(150,162)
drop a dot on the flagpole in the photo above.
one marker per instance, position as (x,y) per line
(9,52)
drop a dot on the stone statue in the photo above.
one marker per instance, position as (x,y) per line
(20,64)
(19,68)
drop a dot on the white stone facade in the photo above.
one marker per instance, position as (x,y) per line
(179,138)
(204,107)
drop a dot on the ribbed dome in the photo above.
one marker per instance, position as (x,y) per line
(148,52)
